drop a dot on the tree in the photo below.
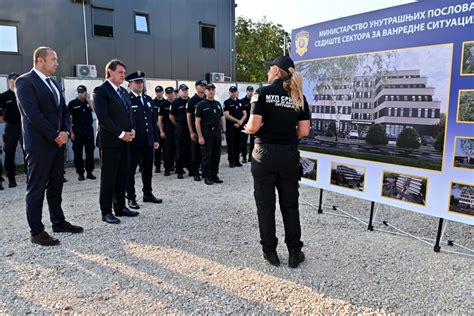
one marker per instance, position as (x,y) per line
(377,135)
(331,131)
(257,42)
(408,138)
(439,144)
(467,146)
(466,106)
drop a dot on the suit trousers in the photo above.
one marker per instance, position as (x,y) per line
(115,163)
(45,174)
(277,166)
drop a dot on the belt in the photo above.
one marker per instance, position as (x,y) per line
(276,147)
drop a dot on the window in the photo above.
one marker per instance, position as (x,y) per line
(208,36)
(103,22)
(8,38)
(141,23)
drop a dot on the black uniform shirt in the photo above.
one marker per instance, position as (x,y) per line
(9,107)
(235,108)
(156,105)
(165,112)
(246,103)
(210,113)
(178,109)
(280,119)
(81,113)
(191,107)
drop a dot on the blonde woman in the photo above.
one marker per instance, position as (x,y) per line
(279,116)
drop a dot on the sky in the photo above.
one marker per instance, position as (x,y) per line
(292,14)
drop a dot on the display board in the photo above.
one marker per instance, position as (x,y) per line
(392,99)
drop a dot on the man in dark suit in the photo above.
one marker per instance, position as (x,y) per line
(116,130)
(146,140)
(45,125)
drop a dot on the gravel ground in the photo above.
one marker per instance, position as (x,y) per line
(198,253)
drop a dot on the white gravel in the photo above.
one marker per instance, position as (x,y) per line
(198,252)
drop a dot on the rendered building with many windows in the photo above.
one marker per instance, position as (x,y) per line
(467,197)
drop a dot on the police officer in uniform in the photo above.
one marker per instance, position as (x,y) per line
(279,115)
(210,129)
(183,140)
(146,140)
(235,116)
(167,131)
(196,158)
(245,137)
(157,101)
(11,115)
(82,132)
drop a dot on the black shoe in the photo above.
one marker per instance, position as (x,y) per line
(66,227)
(208,181)
(295,259)
(157,170)
(126,212)
(272,257)
(244,160)
(197,178)
(152,199)
(180,176)
(81,177)
(91,176)
(64,180)
(44,239)
(11,182)
(238,164)
(167,173)
(231,165)
(110,219)
(216,179)
(132,203)
(1,186)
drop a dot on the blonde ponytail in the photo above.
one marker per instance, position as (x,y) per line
(294,85)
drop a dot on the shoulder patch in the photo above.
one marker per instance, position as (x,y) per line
(254,98)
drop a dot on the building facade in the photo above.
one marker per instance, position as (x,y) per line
(467,197)
(399,99)
(173,39)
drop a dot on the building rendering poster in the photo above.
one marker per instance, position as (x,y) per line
(390,96)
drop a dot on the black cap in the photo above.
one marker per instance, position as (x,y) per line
(135,76)
(158,89)
(12,75)
(232,89)
(201,83)
(283,62)
(210,86)
(81,88)
(176,90)
(183,87)
(249,88)
(169,90)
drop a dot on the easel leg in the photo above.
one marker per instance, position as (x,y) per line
(437,247)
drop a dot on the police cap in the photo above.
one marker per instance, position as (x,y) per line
(232,89)
(135,76)
(12,75)
(158,89)
(201,83)
(81,88)
(283,62)
(210,86)
(169,90)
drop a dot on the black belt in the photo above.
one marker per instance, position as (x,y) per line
(276,147)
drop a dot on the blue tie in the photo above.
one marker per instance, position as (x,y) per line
(123,98)
(48,81)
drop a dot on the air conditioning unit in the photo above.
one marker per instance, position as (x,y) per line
(215,77)
(86,71)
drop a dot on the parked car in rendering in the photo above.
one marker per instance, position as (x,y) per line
(354,134)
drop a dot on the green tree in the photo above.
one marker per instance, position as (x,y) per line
(377,135)
(331,131)
(257,42)
(408,138)
(466,106)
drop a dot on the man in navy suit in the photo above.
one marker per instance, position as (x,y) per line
(45,126)
(116,130)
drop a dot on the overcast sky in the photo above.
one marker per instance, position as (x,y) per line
(293,14)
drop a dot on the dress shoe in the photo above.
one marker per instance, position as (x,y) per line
(157,170)
(1,186)
(238,164)
(110,218)
(91,176)
(208,181)
(44,239)
(152,199)
(81,177)
(231,165)
(216,179)
(197,178)
(180,176)
(66,227)
(132,203)
(295,259)
(167,173)
(125,212)
(11,182)
(244,160)
(272,257)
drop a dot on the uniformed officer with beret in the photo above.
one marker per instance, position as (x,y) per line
(157,101)
(210,129)
(167,131)
(82,132)
(146,140)
(235,116)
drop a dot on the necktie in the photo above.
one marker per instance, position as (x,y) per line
(48,80)
(123,98)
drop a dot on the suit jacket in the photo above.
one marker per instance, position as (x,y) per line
(145,122)
(42,120)
(114,118)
